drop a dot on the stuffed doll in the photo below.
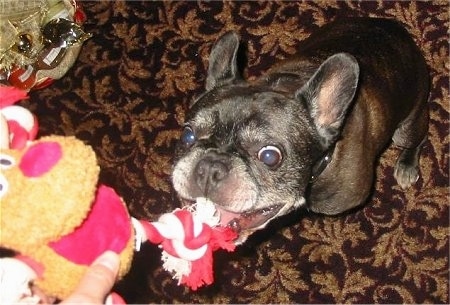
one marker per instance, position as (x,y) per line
(53,213)
(58,219)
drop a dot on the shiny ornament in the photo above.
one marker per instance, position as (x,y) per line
(49,58)
(25,44)
(23,78)
(63,33)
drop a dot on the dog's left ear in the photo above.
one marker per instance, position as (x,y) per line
(222,67)
(329,93)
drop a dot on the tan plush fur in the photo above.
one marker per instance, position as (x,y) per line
(36,211)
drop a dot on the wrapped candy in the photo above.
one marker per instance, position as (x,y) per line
(39,40)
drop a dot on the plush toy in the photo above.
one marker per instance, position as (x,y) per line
(53,213)
(57,219)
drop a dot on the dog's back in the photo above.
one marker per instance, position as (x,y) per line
(390,103)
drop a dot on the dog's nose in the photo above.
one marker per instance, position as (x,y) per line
(209,172)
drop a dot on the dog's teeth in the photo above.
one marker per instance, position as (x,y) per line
(267,211)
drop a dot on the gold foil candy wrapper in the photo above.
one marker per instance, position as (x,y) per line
(4,75)
(28,42)
(8,34)
(57,10)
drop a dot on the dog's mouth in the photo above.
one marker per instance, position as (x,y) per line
(249,220)
(243,223)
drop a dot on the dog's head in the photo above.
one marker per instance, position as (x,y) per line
(250,147)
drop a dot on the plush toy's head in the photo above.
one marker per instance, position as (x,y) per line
(54,214)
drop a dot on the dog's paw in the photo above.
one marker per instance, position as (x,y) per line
(407,168)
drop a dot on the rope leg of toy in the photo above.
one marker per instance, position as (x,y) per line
(188,238)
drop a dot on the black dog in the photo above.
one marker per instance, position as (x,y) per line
(308,132)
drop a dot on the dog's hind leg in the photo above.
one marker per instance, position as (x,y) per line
(410,136)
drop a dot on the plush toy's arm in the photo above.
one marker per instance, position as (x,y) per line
(17,124)
(22,125)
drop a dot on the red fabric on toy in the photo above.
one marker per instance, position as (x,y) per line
(107,227)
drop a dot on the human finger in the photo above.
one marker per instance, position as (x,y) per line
(98,280)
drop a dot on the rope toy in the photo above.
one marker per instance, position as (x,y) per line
(188,238)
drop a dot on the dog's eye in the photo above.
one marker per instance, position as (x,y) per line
(188,137)
(270,155)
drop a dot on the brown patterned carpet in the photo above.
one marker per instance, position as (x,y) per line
(127,95)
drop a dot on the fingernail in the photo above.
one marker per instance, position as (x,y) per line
(114,299)
(108,259)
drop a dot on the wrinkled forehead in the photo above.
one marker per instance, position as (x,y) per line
(250,117)
(238,106)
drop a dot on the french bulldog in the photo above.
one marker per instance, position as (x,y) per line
(308,132)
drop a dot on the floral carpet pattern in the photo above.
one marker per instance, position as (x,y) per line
(127,96)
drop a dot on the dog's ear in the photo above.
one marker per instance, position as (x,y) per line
(329,93)
(222,61)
